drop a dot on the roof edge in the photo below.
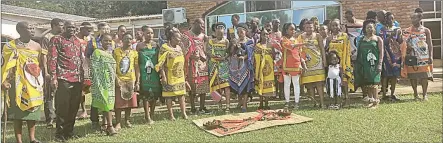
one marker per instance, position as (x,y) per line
(214,8)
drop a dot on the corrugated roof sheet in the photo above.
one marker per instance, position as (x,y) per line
(41,13)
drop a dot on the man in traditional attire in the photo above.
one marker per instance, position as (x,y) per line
(196,67)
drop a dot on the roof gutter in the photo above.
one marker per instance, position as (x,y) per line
(26,16)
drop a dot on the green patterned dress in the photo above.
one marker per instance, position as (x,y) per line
(103,80)
(150,87)
(366,73)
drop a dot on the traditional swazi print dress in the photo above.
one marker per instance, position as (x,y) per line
(103,80)
(314,61)
(242,70)
(264,72)
(21,70)
(127,61)
(150,87)
(291,57)
(196,70)
(172,61)
(366,74)
(218,70)
(392,52)
(418,47)
(342,45)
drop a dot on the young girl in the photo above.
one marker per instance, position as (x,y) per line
(241,67)
(150,87)
(264,72)
(369,64)
(128,77)
(103,81)
(292,63)
(171,66)
(334,79)
(218,52)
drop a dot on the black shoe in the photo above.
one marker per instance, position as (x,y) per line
(204,111)
(35,141)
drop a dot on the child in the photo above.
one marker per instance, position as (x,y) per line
(334,80)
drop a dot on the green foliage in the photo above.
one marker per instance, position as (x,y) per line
(95,9)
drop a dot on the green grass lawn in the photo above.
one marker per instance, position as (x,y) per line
(405,121)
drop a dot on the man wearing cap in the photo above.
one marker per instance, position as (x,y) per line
(56,29)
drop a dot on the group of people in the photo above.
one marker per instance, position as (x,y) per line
(117,70)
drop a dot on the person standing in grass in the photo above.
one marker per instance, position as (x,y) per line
(419,47)
(275,40)
(292,63)
(264,72)
(368,65)
(103,82)
(23,79)
(128,77)
(315,57)
(392,39)
(150,87)
(171,68)
(241,66)
(339,42)
(218,53)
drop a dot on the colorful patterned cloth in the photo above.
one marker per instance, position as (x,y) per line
(196,70)
(418,47)
(103,80)
(264,73)
(342,46)
(242,70)
(172,62)
(313,57)
(65,59)
(150,86)
(218,70)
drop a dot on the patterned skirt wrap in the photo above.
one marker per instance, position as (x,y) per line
(366,64)
(264,73)
(218,70)
(242,71)
(417,47)
(172,62)
(150,87)
(103,80)
(392,57)
(314,62)
(21,70)
(342,45)
(125,97)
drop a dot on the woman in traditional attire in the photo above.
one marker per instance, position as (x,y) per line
(292,63)
(339,42)
(314,56)
(128,76)
(22,81)
(419,47)
(392,39)
(103,81)
(150,87)
(218,52)
(241,67)
(171,67)
(264,72)
(369,62)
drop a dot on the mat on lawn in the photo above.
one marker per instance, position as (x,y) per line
(294,119)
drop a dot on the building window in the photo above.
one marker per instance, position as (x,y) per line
(427,5)
(309,13)
(285,16)
(252,6)
(229,8)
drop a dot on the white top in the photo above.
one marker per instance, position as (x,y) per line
(334,71)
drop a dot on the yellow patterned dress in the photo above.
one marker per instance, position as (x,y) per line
(342,46)
(172,62)
(314,61)
(22,70)
(264,70)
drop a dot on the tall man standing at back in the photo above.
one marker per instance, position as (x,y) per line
(196,68)
(56,29)
(65,64)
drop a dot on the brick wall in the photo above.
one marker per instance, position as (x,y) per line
(400,9)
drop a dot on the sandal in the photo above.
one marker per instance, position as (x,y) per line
(110,131)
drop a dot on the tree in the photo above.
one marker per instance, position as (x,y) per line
(95,9)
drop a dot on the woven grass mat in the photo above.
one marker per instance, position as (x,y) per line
(295,119)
